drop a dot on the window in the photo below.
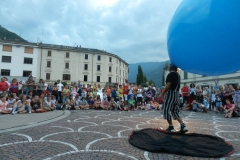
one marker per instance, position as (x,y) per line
(120,72)
(116,80)
(7,48)
(98,78)
(28,50)
(47,76)
(5,72)
(85,78)
(49,54)
(28,61)
(85,66)
(67,54)
(67,65)
(123,73)
(6,59)
(110,69)
(110,79)
(48,64)
(110,59)
(98,67)
(99,58)
(67,77)
(86,56)
(26,73)
(185,76)
(116,70)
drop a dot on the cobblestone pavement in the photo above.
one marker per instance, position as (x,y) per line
(101,135)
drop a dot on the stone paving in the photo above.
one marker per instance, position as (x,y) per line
(101,135)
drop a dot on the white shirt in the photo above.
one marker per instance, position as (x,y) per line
(139,92)
(60,85)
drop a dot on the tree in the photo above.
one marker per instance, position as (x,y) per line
(139,79)
(144,79)
(150,82)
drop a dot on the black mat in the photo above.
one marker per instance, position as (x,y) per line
(193,144)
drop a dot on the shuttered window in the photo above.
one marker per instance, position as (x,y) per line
(7,48)
(28,50)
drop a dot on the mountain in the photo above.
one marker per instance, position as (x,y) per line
(152,70)
(8,35)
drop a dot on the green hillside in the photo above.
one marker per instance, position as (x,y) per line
(9,35)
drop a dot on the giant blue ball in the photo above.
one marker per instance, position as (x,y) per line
(204,37)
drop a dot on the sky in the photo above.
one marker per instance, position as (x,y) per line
(135,30)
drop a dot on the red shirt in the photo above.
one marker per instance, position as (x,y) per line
(3,86)
(125,89)
(185,89)
(14,88)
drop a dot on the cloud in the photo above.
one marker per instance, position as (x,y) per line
(134,30)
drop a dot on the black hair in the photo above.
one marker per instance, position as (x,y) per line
(172,67)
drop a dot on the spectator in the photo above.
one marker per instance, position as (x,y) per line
(114,94)
(14,86)
(4,105)
(219,99)
(209,94)
(20,88)
(185,92)
(229,109)
(3,86)
(131,103)
(22,105)
(30,84)
(60,88)
(55,91)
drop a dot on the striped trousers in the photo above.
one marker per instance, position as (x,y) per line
(171,105)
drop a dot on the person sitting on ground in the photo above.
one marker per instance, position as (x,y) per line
(120,104)
(29,96)
(11,101)
(71,105)
(15,96)
(36,105)
(91,103)
(98,103)
(194,106)
(53,102)
(143,105)
(151,102)
(47,104)
(105,104)
(112,104)
(230,109)
(201,107)
(156,105)
(131,103)
(4,105)
(185,106)
(218,100)
(22,105)
(84,104)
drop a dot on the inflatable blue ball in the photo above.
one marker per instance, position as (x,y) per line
(204,37)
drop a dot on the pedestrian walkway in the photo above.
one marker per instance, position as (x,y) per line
(21,121)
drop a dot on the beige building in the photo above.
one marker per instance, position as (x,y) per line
(68,63)
(206,81)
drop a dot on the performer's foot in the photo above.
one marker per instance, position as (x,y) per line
(170,129)
(183,128)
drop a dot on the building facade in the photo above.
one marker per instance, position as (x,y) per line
(67,63)
(206,81)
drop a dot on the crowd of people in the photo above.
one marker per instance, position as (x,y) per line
(37,97)
(224,100)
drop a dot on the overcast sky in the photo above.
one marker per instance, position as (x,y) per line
(135,30)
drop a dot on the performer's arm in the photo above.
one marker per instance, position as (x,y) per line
(167,87)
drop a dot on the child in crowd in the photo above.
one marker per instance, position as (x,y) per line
(29,96)
(11,101)
(112,104)
(185,105)
(71,105)
(65,93)
(194,105)
(91,103)
(48,105)
(151,102)
(22,105)
(53,101)
(4,105)
(131,103)
(219,98)
(156,105)
(105,104)
(120,104)
(143,105)
(36,105)
(229,109)
(98,103)
(84,104)
(15,96)
(213,98)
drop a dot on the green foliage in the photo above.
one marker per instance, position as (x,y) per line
(150,82)
(144,84)
(64,83)
(9,35)
(144,79)
(139,78)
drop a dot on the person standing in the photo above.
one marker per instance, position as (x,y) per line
(60,87)
(209,93)
(171,100)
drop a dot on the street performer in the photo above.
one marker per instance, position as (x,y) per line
(171,99)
